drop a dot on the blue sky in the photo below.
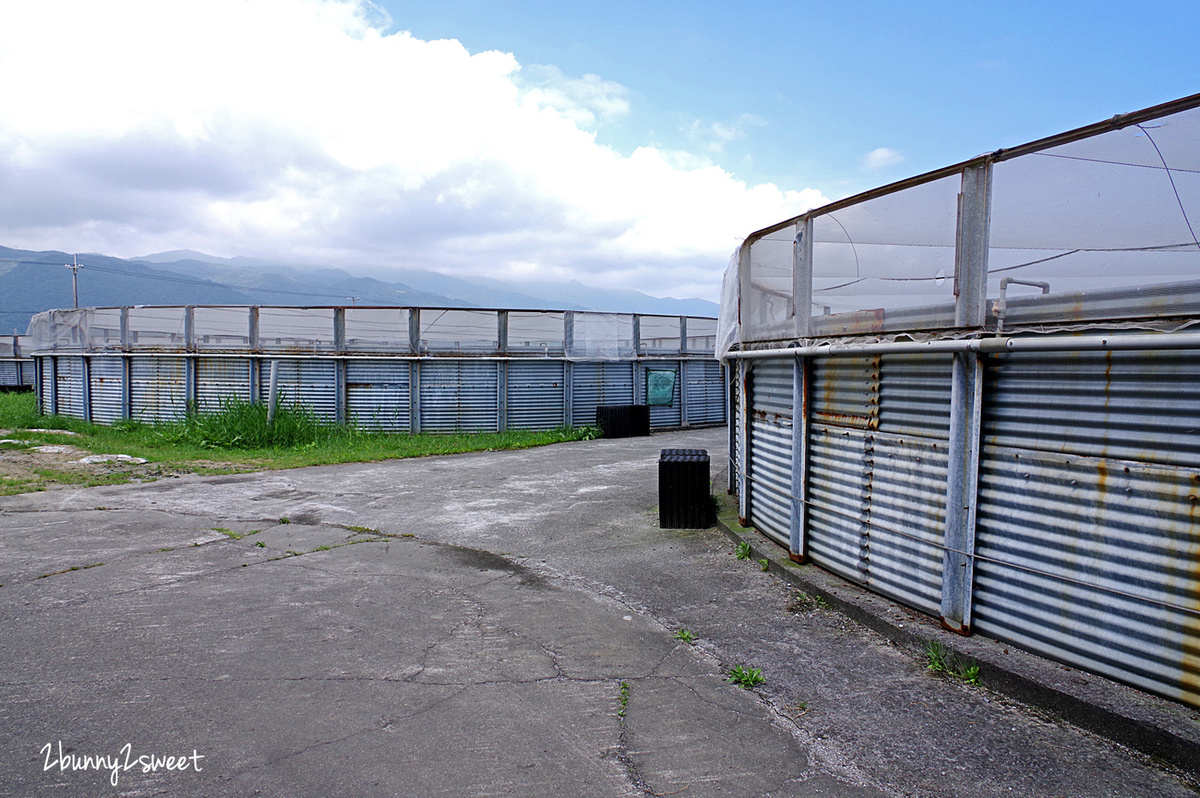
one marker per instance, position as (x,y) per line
(811,88)
(629,145)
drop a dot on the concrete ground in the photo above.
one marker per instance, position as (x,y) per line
(489,624)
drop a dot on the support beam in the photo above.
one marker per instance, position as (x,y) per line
(958,560)
(800,391)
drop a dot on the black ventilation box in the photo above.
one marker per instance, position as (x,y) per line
(623,421)
(683,489)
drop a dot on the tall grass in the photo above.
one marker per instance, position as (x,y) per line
(238,437)
(242,425)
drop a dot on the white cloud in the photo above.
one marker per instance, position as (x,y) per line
(711,137)
(303,130)
(881,158)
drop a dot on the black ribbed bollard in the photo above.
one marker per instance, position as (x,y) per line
(683,489)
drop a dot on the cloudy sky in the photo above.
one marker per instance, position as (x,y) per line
(626,144)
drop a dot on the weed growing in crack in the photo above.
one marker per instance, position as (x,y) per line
(686,635)
(285,520)
(765,563)
(229,533)
(743,551)
(260,544)
(803,602)
(746,678)
(940,659)
(624,699)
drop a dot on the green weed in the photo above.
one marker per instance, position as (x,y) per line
(940,659)
(743,551)
(765,563)
(686,636)
(746,678)
(624,700)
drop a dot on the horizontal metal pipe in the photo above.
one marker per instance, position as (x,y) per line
(1063,343)
(281,355)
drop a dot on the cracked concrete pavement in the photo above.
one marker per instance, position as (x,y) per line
(498,623)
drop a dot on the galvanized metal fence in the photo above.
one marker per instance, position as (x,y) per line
(391,369)
(1022,465)
(16,367)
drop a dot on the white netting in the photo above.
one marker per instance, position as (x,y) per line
(768,303)
(533,332)
(728,318)
(161,327)
(892,256)
(659,335)
(221,328)
(1100,228)
(295,329)
(601,336)
(450,331)
(594,336)
(701,335)
(377,330)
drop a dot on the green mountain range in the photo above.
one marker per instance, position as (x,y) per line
(31,282)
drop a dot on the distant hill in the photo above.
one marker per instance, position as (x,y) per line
(31,282)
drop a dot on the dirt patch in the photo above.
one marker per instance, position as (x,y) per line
(30,466)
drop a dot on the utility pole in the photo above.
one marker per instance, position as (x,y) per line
(75,267)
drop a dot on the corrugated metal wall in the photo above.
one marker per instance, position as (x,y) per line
(770,446)
(705,387)
(536,395)
(308,382)
(460,396)
(1086,539)
(107,388)
(456,394)
(70,386)
(157,389)
(45,385)
(667,415)
(377,394)
(221,380)
(1087,535)
(595,384)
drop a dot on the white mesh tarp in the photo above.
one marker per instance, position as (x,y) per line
(1098,224)
(601,336)
(221,328)
(377,330)
(296,329)
(593,336)
(450,331)
(534,332)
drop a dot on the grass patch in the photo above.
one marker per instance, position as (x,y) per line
(237,438)
(746,678)
(940,659)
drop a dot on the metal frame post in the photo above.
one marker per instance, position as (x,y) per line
(502,370)
(339,366)
(189,362)
(414,393)
(966,395)
(743,447)
(85,388)
(801,375)
(802,270)
(126,387)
